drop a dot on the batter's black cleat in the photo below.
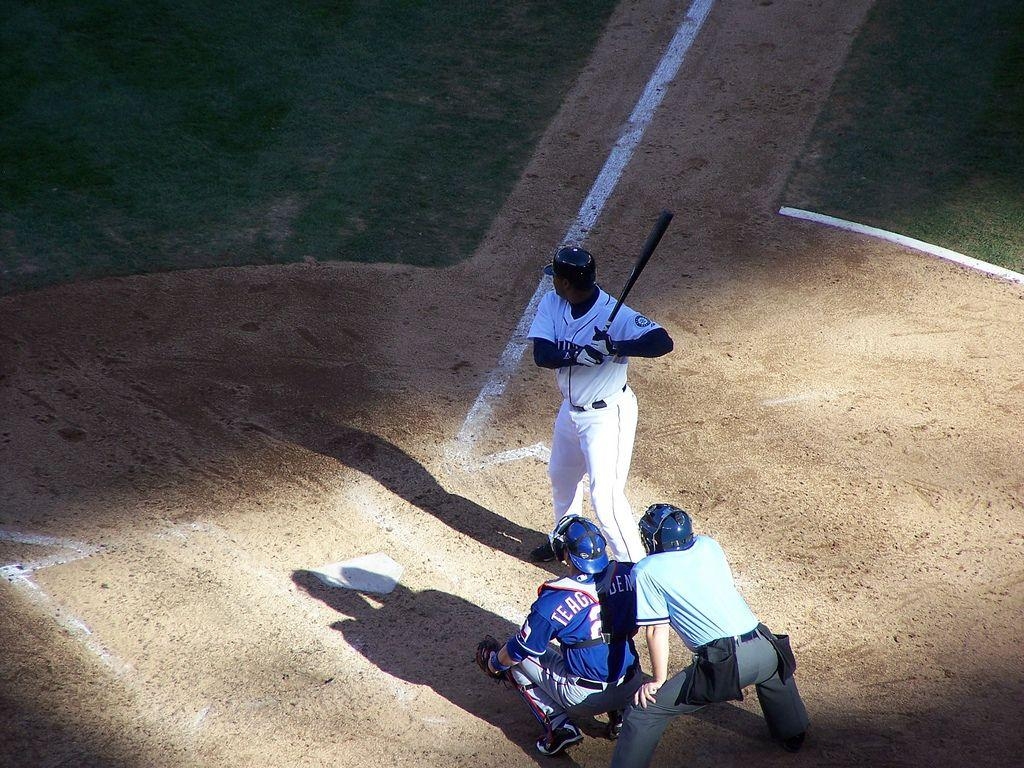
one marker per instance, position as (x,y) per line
(543,554)
(614,727)
(555,742)
(793,743)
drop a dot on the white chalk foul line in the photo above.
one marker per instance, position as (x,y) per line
(75,626)
(909,242)
(600,191)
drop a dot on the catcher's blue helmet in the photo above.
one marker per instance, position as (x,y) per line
(579,540)
(665,528)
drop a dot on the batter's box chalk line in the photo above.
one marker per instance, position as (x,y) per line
(376,573)
(461,457)
(68,551)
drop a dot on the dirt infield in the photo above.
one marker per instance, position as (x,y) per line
(845,416)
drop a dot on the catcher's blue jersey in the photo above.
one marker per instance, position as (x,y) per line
(568,611)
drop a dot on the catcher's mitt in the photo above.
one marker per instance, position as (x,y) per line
(489,645)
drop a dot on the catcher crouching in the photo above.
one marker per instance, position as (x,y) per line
(574,654)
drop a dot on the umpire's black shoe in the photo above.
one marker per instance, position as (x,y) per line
(793,743)
(543,554)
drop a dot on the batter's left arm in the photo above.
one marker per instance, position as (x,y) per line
(654,343)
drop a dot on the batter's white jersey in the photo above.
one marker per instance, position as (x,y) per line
(579,384)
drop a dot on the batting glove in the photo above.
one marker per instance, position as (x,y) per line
(602,342)
(589,357)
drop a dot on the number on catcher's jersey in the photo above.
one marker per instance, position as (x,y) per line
(596,628)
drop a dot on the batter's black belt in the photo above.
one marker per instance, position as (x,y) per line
(594,685)
(597,404)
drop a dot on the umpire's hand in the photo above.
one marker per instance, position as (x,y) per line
(647,693)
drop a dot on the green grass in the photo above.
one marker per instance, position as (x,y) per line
(924,132)
(137,137)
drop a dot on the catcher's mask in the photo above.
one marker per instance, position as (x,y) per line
(575,265)
(579,540)
(666,528)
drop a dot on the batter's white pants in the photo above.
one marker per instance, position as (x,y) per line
(598,443)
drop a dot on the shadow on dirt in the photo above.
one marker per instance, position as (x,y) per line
(56,737)
(401,474)
(429,638)
(734,719)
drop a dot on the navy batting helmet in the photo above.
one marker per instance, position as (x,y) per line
(580,540)
(665,528)
(575,265)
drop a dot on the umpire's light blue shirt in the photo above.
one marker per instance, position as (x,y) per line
(693,590)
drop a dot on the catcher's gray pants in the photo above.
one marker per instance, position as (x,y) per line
(554,693)
(758,665)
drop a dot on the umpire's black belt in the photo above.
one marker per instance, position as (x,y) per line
(593,685)
(738,638)
(596,405)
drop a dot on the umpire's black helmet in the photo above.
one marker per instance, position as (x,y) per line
(665,528)
(575,265)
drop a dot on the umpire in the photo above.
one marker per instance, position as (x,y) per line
(685,583)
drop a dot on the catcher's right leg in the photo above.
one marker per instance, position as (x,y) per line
(559,731)
(544,707)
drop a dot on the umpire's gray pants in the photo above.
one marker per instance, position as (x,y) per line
(758,665)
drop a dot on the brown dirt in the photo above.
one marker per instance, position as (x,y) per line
(843,415)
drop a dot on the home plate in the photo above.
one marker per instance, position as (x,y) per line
(369,573)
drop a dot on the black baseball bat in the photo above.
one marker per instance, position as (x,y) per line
(645,255)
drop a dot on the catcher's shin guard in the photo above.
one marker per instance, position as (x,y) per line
(548,713)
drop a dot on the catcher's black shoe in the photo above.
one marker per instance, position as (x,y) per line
(793,743)
(614,727)
(555,742)
(543,554)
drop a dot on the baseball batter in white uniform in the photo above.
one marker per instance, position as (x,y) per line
(596,424)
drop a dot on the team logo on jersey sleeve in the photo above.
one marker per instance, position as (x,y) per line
(641,321)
